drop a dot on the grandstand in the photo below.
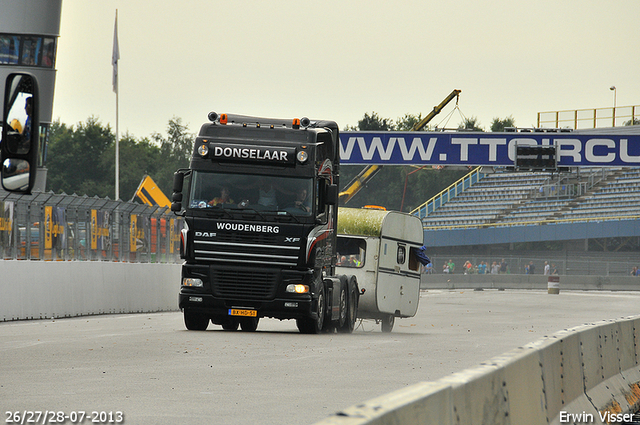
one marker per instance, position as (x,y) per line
(512,198)
(586,221)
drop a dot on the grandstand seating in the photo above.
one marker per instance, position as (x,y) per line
(509,198)
(617,198)
(486,201)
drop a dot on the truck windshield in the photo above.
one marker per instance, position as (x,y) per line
(292,195)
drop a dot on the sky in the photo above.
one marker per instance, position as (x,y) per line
(340,59)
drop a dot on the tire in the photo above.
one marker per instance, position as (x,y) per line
(231,325)
(352,310)
(309,325)
(195,321)
(387,323)
(249,324)
(344,306)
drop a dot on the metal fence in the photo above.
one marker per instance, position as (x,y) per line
(568,265)
(46,226)
(590,118)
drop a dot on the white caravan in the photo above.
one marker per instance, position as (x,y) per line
(380,248)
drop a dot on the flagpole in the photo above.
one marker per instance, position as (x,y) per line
(114,60)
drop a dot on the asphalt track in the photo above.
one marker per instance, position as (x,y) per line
(155,372)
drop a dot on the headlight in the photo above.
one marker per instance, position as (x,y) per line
(302,156)
(203,150)
(298,289)
(189,281)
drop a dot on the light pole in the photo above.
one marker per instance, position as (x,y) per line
(613,89)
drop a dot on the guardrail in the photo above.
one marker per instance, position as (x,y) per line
(46,226)
(590,118)
(587,374)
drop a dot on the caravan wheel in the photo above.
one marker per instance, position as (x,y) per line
(387,323)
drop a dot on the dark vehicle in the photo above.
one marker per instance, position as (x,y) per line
(260,209)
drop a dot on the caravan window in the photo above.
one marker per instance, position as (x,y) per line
(350,252)
(402,254)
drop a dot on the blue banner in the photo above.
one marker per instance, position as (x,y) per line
(491,149)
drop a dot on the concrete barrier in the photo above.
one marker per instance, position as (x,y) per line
(45,289)
(522,281)
(579,375)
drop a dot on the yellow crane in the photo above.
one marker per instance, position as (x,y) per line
(370,171)
(149,193)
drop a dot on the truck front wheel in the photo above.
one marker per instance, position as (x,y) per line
(195,321)
(309,325)
(230,325)
(249,324)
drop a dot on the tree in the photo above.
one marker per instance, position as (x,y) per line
(635,121)
(137,159)
(175,152)
(375,122)
(81,160)
(499,125)
(75,159)
(470,124)
(408,121)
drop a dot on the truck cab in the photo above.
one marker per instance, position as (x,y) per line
(259,206)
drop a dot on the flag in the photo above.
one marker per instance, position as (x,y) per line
(115,56)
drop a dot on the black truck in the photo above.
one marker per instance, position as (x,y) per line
(259,202)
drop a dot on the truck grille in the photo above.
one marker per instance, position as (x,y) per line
(244,284)
(258,252)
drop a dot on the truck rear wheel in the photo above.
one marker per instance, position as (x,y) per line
(195,321)
(309,325)
(387,323)
(344,306)
(352,310)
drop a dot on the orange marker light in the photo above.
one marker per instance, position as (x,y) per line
(224,118)
(296,123)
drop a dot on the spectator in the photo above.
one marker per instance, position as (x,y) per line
(445,268)
(428,269)
(452,266)
(547,269)
(504,267)
(467,267)
(482,268)
(495,268)
(532,268)
(634,271)
(554,270)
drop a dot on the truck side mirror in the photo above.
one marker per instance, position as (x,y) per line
(176,197)
(332,194)
(20,133)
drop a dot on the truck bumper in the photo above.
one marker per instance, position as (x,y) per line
(219,309)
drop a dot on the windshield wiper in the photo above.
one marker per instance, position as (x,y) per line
(255,211)
(287,214)
(217,212)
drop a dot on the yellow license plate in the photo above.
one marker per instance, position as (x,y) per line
(244,313)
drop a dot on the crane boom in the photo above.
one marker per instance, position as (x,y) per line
(436,110)
(370,171)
